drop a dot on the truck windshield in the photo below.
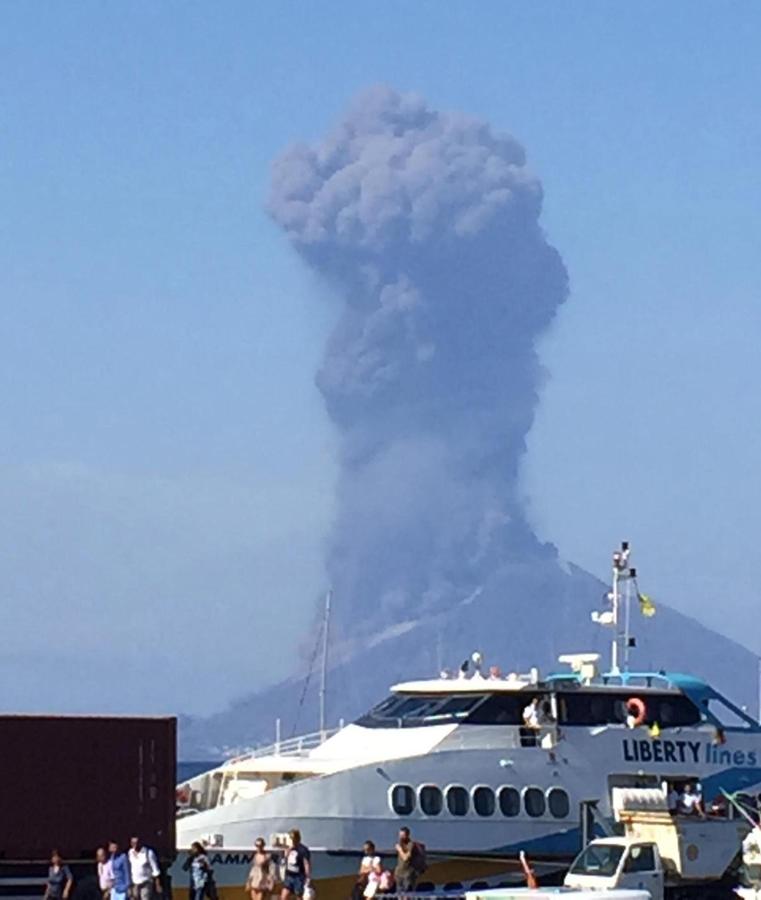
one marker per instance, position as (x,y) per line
(600,859)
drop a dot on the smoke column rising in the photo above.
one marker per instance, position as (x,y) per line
(426,225)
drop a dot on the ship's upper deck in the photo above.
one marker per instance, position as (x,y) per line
(582,697)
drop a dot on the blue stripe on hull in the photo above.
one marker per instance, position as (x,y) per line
(731,780)
(560,843)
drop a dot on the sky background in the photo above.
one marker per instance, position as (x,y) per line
(166,466)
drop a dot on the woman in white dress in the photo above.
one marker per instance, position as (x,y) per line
(261,877)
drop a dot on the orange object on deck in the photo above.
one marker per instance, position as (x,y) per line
(531,881)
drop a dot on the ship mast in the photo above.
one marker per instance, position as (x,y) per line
(324,670)
(618,617)
(620,560)
(620,598)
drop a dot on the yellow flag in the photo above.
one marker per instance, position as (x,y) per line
(646,605)
(655,730)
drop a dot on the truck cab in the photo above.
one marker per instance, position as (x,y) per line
(618,863)
(664,854)
(659,855)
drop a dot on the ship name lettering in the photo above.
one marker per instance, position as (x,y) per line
(231,859)
(658,750)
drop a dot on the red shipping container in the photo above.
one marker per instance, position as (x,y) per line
(76,782)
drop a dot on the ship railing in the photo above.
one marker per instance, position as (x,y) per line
(295,746)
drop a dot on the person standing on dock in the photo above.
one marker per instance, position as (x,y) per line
(298,867)
(105,873)
(369,873)
(144,870)
(261,876)
(200,871)
(120,872)
(60,880)
(408,864)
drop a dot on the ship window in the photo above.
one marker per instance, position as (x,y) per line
(415,707)
(558,802)
(405,711)
(431,800)
(671,712)
(402,799)
(640,859)
(458,800)
(585,708)
(456,707)
(590,708)
(533,800)
(499,709)
(483,801)
(509,801)
(386,706)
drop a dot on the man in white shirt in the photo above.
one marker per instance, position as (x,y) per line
(144,868)
(531,715)
(105,873)
(691,803)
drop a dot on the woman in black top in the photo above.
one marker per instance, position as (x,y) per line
(60,880)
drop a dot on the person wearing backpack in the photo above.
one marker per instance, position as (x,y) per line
(201,872)
(145,872)
(410,862)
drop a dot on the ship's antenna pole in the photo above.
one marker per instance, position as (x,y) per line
(620,566)
(627,620)
(614,602)
(324,672)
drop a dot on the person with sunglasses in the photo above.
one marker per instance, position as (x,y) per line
(261,877)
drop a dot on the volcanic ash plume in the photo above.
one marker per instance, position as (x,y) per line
(426,225)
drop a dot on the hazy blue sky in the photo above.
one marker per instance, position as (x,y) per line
(166,466)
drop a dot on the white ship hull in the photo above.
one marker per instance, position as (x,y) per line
(336,812)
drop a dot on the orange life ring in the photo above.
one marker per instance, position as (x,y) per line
(636,708)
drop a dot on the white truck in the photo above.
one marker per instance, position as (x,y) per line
(659,857)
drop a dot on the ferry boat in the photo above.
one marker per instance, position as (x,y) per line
(475,773)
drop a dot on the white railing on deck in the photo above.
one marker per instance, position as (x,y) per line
(295,746)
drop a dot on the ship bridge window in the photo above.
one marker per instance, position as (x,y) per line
(509,801)
(402,798)
(483,801)
(534,802)
(671,711)
(590,708)
(558,802)
(458,800)
(405,711)
(456,707)
(385,706)
(500,709)
(586,708)
(431,799)
(415,707)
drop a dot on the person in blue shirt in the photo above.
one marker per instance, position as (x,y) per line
(120,871)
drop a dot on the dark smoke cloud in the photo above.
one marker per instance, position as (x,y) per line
(426,224)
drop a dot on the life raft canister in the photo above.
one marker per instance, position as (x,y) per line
(637,709)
